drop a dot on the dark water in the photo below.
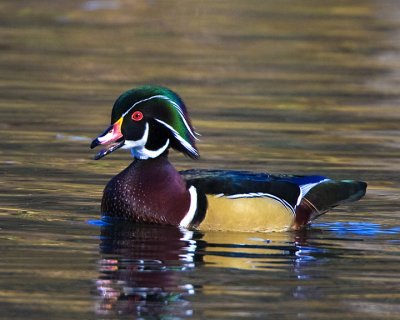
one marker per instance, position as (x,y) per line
(296,87)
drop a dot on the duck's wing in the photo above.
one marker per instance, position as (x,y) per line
(241,201)
(325,196)
(243,184)
(306,197)
(320,194)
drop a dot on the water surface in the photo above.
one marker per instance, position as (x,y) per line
(291,87)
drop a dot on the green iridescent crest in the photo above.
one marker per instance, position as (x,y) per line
(166,108)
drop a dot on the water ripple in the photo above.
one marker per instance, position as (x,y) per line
(360,228)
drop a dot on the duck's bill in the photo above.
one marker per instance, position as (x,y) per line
(112,138)
(108,149)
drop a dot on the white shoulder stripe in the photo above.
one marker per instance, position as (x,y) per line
(188,218)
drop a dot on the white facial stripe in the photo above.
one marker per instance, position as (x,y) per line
(186,144)
(144,153)
(177,107)
(138,143)
(188,218)
(135,104)
(138,149)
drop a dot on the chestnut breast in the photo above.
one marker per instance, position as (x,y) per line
(147,191)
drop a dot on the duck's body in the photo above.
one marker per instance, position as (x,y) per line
(220,199)
(149,120)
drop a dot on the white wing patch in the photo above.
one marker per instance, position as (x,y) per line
(305,188)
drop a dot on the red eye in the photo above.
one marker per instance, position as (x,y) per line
(137,116)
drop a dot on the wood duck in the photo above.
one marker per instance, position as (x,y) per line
(150,120)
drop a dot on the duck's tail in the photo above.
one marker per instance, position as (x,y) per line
(325,196)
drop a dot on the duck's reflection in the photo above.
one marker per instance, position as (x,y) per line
(140,270)
(144,268)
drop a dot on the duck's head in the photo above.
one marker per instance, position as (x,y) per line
(148,120)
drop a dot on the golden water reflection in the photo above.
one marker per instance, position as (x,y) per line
(295,87)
